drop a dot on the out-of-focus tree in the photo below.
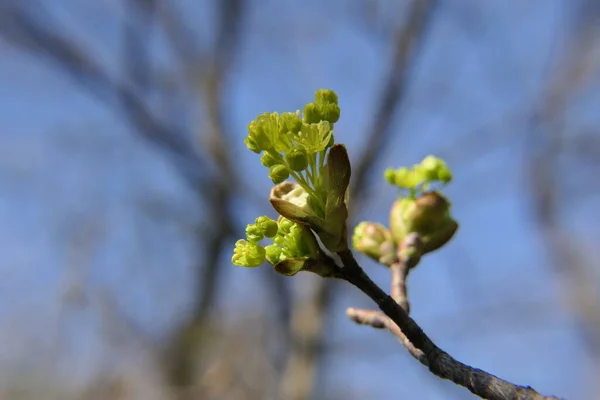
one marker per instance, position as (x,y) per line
(168,77)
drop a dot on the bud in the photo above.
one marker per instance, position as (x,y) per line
(428,216)
(267,226)
(248,254)
(430,209)
(290,122)
(330,112)
(311,114)
(252,145)
(268,159)
(256,130)
(434,168)
(297,159)
(274,254)
(253,233)
(326,96)
(369,237)
(278,173)
(390,176)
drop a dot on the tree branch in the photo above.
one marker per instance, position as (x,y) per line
(440,363)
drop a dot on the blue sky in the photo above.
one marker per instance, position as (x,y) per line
(71,170)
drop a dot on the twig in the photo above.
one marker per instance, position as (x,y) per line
(399,272)
(479,382)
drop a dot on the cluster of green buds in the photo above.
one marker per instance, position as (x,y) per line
(294,145)
(420,220)
(302,146)
(294,247)
(421,176)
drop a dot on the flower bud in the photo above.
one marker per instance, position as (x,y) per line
(430,209)
(285,225)
(248,254)
(290,122)
(330,112)
(278,173)
(311,114)
(252,145)
(267,226)
(268,159)
(435,169)
(253,233)
(428,216)
(369,237)
(390,176)
(257,131)
(326,96)
(274,254)
(297,160)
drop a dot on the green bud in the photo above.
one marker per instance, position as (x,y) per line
(444,175)
(257,130)
(434,168)
(330,112)
(248,254)
(285,225)
(252,145)
(297,159)
(407,179)
(274,254)
(369,237)
(278,173)
(290,123)
(311,114)
(390,176)
(268,159)
(326,96)
(254,233)
(267,226)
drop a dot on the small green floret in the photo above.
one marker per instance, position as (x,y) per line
(248,254)
(253,233)
(297,159)
(267,226)
(279,173)
(418,178)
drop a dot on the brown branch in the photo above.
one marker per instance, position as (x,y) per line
(398,291)
(440,363)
